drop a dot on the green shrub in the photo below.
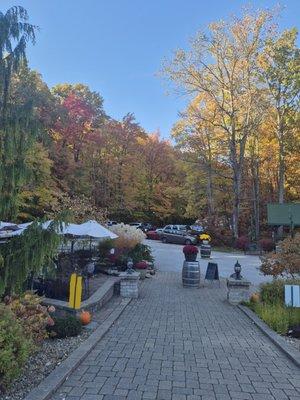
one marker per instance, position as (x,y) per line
(15,347)
(273,292)
(33,317)
(104,247)
(277,316)
(141,252)
(65,327)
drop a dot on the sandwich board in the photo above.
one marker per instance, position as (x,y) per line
(212,272)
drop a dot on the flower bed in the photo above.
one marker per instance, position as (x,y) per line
(269,305)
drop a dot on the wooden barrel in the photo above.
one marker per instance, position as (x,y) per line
(191,274)
(205,250)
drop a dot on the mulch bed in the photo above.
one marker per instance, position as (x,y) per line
(42,363)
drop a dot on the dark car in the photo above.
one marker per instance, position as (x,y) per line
(177,234)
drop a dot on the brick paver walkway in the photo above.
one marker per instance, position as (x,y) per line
(183,344)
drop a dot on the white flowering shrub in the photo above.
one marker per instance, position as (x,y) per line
(128,236)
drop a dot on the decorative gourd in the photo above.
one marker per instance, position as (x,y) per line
(85,317)
(255,298)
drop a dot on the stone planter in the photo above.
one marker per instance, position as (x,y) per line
(238,290)
(129,284)
(142,273)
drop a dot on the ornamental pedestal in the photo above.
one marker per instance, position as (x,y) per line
(238,290)
(129,284)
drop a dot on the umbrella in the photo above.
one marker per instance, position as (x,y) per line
(90,229)
(94,230)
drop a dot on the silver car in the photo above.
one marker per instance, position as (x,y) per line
(177,234)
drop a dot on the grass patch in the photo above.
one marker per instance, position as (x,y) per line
(277,316)
(269,306)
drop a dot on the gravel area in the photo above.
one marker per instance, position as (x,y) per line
(52,353)
(293,341)
(41,363)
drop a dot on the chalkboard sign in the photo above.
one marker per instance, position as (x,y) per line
(212,272)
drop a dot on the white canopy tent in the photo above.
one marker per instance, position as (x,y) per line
(91,229)
(87,230)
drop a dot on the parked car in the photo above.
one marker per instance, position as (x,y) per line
(177,234)
(137,225)
(144,226)
(148,227)
(153,235)
(111,223)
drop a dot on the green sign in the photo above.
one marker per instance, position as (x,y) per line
(284,214)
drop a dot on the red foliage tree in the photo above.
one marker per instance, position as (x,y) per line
(74,127)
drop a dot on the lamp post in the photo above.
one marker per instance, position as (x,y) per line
(129,270)
(237,271)
(238,287)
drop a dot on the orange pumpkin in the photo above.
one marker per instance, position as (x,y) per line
(85,317)
(255,298)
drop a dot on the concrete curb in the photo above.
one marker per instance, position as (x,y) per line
(291,352)
(58,376)
(94,303)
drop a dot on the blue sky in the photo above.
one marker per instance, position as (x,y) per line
(117,46)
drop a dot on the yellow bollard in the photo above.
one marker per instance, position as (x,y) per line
(75,291)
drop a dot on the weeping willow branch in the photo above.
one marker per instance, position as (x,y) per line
(29,254)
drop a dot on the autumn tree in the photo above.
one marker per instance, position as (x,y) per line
(157,195)
(280,71)
(202,146)
(90,98)
(74,128)
(223,65)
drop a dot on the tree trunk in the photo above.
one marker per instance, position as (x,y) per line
(237,162)
(236,202)
(254,166)
(209,182)
(281,173)
(209,191)
(256,205)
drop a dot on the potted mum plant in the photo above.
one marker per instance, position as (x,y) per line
(142,268)
(205,238)
(190,252)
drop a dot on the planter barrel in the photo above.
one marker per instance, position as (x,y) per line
(191,274)
(190,257)
(205,250)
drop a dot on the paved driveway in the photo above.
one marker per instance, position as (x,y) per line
(183,344)
(169,258)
